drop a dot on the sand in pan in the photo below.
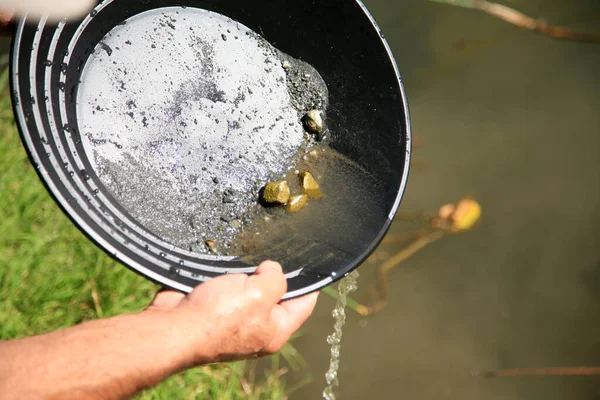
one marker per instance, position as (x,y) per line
(185,114)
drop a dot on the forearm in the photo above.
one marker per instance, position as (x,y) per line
(105,359)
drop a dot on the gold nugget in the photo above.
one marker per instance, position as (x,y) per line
(276,192)
(296,203)
(310,186)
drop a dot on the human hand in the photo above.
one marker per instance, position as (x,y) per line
(6,18)
(236,316)
(227,318)
(54,9)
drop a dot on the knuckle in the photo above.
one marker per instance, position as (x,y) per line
(256,294)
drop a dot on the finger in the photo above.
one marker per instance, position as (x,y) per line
(267,284)
(6,25)
(54,9)
(289,317)
(167,299)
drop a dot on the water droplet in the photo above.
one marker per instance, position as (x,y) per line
(174,271)
(163,254)
(84,175)
(47,63)
(93,13)
(61,86)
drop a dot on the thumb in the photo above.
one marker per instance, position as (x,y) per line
(55,9)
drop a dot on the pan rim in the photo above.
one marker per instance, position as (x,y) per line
(115,253)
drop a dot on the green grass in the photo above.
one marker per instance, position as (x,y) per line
(52,277)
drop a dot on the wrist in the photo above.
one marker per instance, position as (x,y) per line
(184,337)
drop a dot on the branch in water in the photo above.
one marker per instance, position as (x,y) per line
(521,20)
(559,371)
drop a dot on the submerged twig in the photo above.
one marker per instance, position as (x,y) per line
(401,238)
(419,216)
(422,240)
(451,218)
(384,269)
(524,21)
(558,371)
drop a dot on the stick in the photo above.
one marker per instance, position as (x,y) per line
(384,269)
(564,371)
(524,21)
(401,238)
(413,216)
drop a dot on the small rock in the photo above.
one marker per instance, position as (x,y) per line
(229,196)
(276,192)
(313,122)
(248,248)
(286,65)
(310,186)
(212,245)
(297,202)
(235,224)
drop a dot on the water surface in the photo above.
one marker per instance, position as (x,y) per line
(510,117)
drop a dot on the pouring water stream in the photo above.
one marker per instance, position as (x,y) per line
(345,287)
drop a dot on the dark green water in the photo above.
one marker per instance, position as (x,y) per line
(512,118)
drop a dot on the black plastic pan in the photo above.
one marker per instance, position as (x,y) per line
(367,119)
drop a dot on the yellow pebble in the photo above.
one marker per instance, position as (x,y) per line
(467,213)
(310,186)
(276,192)
(297,202)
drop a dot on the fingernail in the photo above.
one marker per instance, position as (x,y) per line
(272,265)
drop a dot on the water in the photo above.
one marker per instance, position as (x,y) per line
(509,117)
(321,236)
(345,287)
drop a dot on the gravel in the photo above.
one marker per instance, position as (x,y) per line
(188,116)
